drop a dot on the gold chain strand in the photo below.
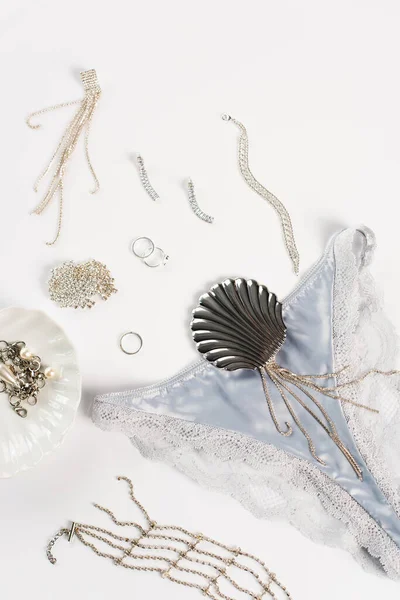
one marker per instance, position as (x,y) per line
(255,185)
(184,559)
(281,387)
(289,429)
(81,121)
(329,428)
(285,380)
(331,392)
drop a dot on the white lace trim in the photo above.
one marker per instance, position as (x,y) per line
(251,471)
(365,339)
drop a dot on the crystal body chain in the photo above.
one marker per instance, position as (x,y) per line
(266,194)
(62,154)
(185,558)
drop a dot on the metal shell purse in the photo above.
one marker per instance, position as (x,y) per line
(238,324)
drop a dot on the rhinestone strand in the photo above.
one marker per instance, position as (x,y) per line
(181,556)
(194,205)
(284,216)
(145,179)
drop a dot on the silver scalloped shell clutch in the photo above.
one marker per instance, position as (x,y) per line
(238,324)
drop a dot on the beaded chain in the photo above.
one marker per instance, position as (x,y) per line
(185,558)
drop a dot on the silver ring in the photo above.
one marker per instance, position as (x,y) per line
(163,258)
(142,254)
(134,334)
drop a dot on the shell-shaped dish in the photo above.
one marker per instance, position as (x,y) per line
(23,442)
(238,324)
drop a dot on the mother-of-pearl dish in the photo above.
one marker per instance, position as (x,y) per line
(23,442)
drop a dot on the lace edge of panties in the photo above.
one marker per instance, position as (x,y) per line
(248,470)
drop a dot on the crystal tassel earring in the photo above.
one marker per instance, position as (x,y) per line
(264,193)
(81,122)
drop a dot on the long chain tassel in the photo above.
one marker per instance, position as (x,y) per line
(283,214)
(185,558)
(63,152)
(284,380)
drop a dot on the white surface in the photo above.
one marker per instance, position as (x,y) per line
(316,85)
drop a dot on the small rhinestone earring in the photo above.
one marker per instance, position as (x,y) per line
(145,179)
(194,205)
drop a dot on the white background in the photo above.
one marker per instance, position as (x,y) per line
(317,85)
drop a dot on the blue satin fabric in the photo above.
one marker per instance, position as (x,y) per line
(236,401)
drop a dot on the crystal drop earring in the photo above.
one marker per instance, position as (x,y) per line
(145,179)
(194,204)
